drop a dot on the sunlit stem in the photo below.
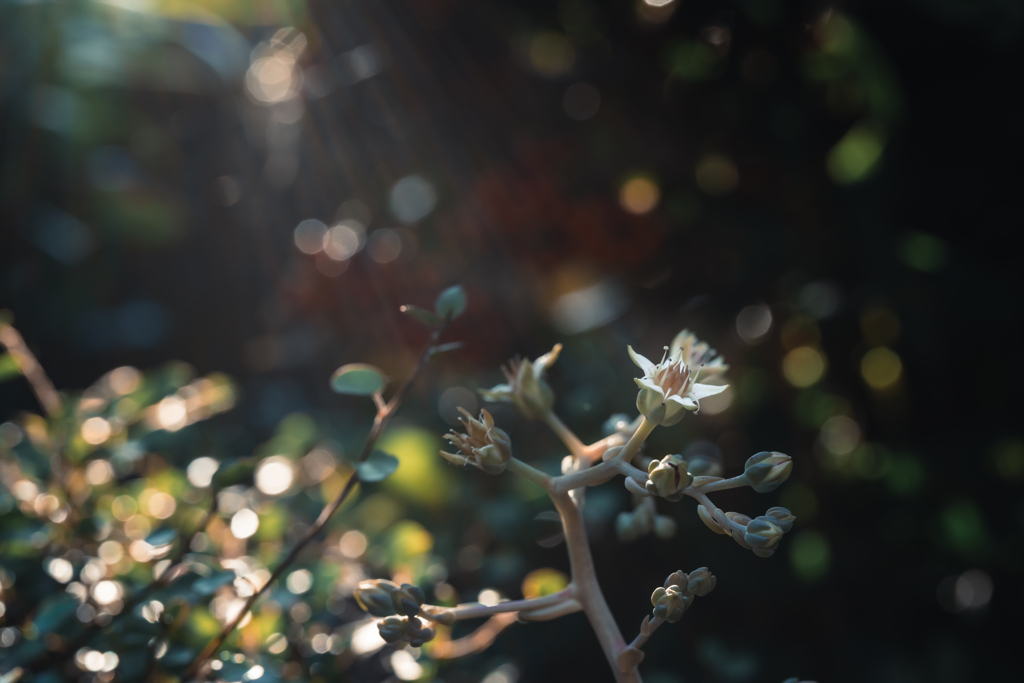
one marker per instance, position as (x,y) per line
(568,437)
(645,633)
(724,484)
(588,590)
(632,446)
(476,610)
(531,473)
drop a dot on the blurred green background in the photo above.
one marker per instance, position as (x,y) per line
(824,191)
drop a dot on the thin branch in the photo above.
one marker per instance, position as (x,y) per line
(517,466)
(568,437)
(474,610)
(41,385)
(380,421)
(723,484)
(173,572)
(477,641)
(646,629)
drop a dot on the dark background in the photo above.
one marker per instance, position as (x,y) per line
(527,210)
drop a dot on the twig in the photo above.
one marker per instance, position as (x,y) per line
(41,385)
(169,576)
(476,610)
(568,437)
(478,640)
(380,421)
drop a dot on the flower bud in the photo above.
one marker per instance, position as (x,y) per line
(407,600)
(738,537)
(668,477)
(677,578)
(664,527)
(391,629)
(738,518)
(709,521)
(783,517)
(375,597)
(701,582)
(762,532)
(767,470)
(526,388)
(482,445)
(670,603)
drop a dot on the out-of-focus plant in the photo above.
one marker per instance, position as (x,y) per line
(669,390)
(152,558)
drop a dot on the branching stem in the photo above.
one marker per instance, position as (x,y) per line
(384,414)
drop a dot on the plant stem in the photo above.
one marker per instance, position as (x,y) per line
(476,610)
(568,437)
(380,421)
(588,590)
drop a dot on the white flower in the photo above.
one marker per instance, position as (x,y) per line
(670,387)
(698,354)
(526,387)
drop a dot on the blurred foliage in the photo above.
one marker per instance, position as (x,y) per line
(822,189)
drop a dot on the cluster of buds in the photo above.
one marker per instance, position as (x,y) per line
(382,598)
(482,445)
(760,535)
(767,470)
(410,629)
(676,596)
(526,388)
(629,526)
(668,477)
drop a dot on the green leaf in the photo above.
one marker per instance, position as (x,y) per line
(8,367)
(377,467)
(451,302)
(162,536)
(234,471)
(358,379)
(442,348)
(55,613)
(421,314)
(208,585)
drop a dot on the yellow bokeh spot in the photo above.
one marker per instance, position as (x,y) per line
(420,475)
(409,540)
(542,582)
(639,195)
(804,366)
(881,368)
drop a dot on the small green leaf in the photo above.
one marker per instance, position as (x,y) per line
(234,471)
(162,536)
(443,348)
(208,585)
(451,302)
(377,467)
(421,314)
(55,612)
(8,367)
(358,379)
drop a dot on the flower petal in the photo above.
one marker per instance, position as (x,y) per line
(641,362)
(548,359)
(645,383)
(501,393)
(684,401)
(699,391)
